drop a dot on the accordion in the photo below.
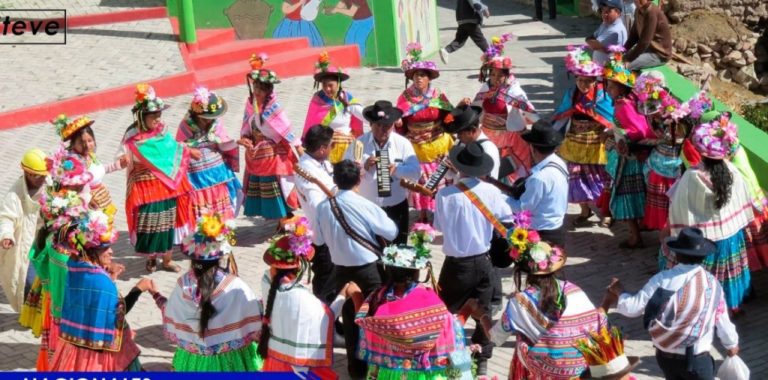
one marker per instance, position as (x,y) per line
(383,179)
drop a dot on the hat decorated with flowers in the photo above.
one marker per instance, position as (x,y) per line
(716,139)
(67,170)
(212,240)
(529,252)
(66,127)
(207,104)
(651,94)
(414,62)
(324,70)
(414,256)
(293,248)
(146,100)
(694,108)
(579,62)
(59,207)
(258,72)
(93,230)
(604,353)
(615,69)
(493,58)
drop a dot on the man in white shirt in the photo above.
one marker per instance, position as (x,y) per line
(465,124)
(317,148)
(403,163)
(545,192)
(350,225)
(682,309)
(467,232)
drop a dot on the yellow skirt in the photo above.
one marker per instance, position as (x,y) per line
(583,148)
(31,315)
(432,150)
(339,146)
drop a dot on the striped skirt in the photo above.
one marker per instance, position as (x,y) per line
(264,198)
(628,195)
(339,145)
(657,201)
(586,182)
(757,241)
(155,229)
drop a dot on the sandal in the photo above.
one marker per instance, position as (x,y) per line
(607,222)
(626,245)
(582,220)
(151,265)
(170,267)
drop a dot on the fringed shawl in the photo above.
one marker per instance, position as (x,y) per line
(596,105)
(93,314)
(216,140)
(165,157)
(323,110)
(270,120)
(412,101)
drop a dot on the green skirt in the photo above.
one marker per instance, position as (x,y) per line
(243,360)
(155,227)
(378,373)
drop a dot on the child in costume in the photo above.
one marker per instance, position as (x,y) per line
(271,148)
(212,175)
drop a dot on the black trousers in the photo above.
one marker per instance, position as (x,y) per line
(497,295)
(399,214)
(322,272)
(552,4)
(466,31)
(464,278)
(368,278)
(676,367)
(554,236)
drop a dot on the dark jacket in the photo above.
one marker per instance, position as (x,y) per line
(650,32)
(469,11)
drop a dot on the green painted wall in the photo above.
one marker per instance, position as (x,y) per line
(396,22)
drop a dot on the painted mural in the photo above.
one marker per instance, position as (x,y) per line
(417,22)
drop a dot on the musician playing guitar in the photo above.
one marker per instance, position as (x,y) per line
(349,225)
(392,155)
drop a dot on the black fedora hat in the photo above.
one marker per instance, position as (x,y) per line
(543,134)
(471,159)
(461,118)
(690,242)
(382,112)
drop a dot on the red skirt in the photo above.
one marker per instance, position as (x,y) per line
(657,201)
(757,241)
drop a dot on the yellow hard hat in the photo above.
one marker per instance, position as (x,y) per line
(33,162)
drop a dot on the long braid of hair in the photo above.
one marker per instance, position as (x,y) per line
(551,298)
(266,331)
(721,178)
(205,272)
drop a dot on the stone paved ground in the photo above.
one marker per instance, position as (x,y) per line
(593,260)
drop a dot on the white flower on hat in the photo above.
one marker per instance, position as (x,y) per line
(381,114)
(539,253)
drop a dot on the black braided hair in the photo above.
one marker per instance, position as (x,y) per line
(266,331)
(721,178)
(205,272)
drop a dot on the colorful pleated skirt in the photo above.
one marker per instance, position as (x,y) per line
(585,154)
(339,145)
(215,189)
(245,359)
(757,241)
(586,182)
(657,201)
(730,265)
(31,315)
(628,194)
(264,197)
(512,145)
(381,373)
(72,358)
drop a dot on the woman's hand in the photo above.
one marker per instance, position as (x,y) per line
(115,270)
(123,161)
(350,289)
(465,102)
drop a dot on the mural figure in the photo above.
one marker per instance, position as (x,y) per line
(298,21)
(362,21)
(416,22)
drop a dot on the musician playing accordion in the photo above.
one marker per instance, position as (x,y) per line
(385,158)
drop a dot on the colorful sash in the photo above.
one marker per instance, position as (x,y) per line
(91,317)
(414,332)
(412,101)
(322,110)
(505,94)
(596,104)
(165,157)
(270,120)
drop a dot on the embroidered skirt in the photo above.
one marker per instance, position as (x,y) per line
(582,143)
(265,198)
(628,194)
(339,145)
(243,360)
(215,186)
(729,264)
(72,358)
(31,315)
(757,241)
(155,228)
(657,201)
(586,182)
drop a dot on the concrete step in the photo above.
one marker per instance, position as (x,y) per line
(241,50)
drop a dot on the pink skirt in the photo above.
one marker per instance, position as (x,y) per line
(71,358)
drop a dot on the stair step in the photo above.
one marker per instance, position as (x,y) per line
(211,38)
(286,64)
(241,50)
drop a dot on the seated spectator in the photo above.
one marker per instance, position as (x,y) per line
(611,32)
(650,41)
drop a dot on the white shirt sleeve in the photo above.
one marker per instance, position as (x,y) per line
(336,305)
(410,167)
(633,305)
(381,224)
(724,328)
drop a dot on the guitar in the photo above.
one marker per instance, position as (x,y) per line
(310,9)
(309,177)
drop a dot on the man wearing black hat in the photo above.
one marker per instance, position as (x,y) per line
(403,163)
(611,32)
(465,124)
(467,232)
(682,308)
(545,192)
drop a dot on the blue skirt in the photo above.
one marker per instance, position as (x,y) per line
(628,193)
(215,175)
(729,264)
(291,28)
(264,198)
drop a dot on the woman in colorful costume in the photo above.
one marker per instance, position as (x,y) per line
(335,108)
(157,207)
(664,165)
(212,316)
(424,108)
(406,330)
(626,160)
(714,197)
(506,109)
(588,111)
(61,203)
(216,188)
(82,143)
(19,221)
(269,147)
(548,315)
(303,342)
(94,334)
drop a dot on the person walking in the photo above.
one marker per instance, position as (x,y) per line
(551,5)
(469,16)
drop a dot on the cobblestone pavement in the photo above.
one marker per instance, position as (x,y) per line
(593,254)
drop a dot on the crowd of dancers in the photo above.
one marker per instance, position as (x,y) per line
(489,173)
